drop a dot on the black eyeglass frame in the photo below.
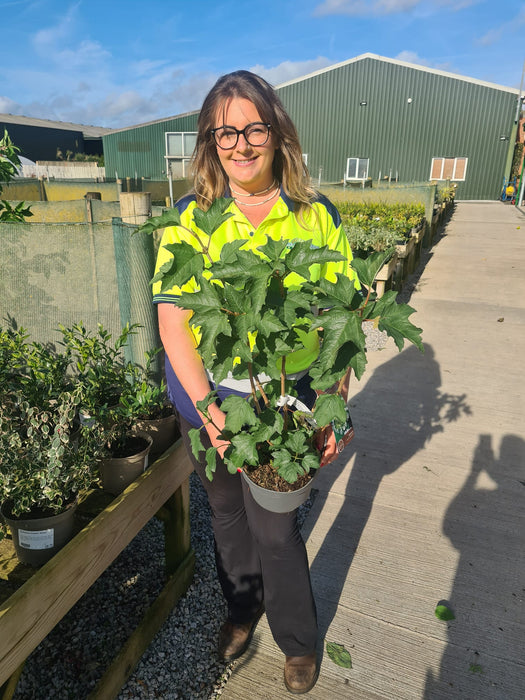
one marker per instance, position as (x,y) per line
(238,133)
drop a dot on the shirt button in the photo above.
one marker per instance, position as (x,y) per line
(251,233)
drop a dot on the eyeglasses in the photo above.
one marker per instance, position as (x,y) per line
(256,134)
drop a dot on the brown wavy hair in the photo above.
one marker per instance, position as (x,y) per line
(209,178)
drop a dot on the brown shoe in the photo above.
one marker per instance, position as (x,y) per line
(234,638)
(300,673)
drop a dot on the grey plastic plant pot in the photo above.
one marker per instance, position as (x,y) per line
(278,501)
(117,473)
(38,539)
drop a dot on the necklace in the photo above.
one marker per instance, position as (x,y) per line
(257,204)
(254,194)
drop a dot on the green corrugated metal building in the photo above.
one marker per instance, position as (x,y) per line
(369,119)
(140,150)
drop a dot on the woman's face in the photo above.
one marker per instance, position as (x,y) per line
(247,167)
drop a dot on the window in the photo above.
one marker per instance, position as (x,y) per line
(180,144)
(305,158)
(356,169)
(448,168)
(179,149)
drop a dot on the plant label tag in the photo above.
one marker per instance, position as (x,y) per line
(343,432)
(36,539)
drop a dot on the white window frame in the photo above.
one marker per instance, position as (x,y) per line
(182,158)
(353,177)
(305,158)
(185,152)
(443,160)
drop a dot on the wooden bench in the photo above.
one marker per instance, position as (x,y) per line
(31,612)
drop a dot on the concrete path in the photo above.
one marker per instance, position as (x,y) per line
(428,503)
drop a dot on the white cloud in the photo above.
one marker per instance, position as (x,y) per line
(8,106)
(146,67)
(362,8)
(413,57)
(49,38)
(514,24)
(379,8)
(288,70)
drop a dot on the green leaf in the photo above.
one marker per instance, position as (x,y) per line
(205,299)
(302,256)
(329,407)
(343,291)
(212,325)
(393,318)
(234,461)
(273,249)
(238,266)
(297,305)
(340,327)
(186,263)
(168,218)
(269,323)
(271,424)
(211,462)
(203,404)
(367,268)
(443,612)
(209,221)
(239,413)
(286,467)
(310,461)
(339,654)
(246,449)
(296,442)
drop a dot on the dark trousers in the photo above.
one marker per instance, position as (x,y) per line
(260,556)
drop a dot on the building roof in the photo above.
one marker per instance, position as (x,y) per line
(156,121)
(395,61)
(86,130)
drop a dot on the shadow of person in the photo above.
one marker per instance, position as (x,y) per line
(395,415)
(485,523)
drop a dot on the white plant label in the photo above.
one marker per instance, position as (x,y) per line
(36,539)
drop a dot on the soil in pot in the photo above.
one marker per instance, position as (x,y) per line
(265,476)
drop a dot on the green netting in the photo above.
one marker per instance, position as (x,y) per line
(65,273)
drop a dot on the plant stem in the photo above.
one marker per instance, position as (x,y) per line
(252,386)
(283,387)
(263,393)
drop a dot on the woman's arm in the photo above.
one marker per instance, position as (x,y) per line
(179,345)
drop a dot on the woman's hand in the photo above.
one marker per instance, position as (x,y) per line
(326,441)
(214,429)
(326,444)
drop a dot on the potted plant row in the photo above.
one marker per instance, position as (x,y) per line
(378,227)
(62,416)
(251,318)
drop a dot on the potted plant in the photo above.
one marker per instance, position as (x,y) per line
(145,401)
(250,318)
(118,396)
(98,365)
(43,467)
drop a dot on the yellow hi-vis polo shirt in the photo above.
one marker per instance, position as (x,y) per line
(321,225)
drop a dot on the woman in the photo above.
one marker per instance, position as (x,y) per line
(247,148)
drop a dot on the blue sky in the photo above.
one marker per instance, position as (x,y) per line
(118,63)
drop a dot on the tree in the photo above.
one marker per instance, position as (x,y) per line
(9,164)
